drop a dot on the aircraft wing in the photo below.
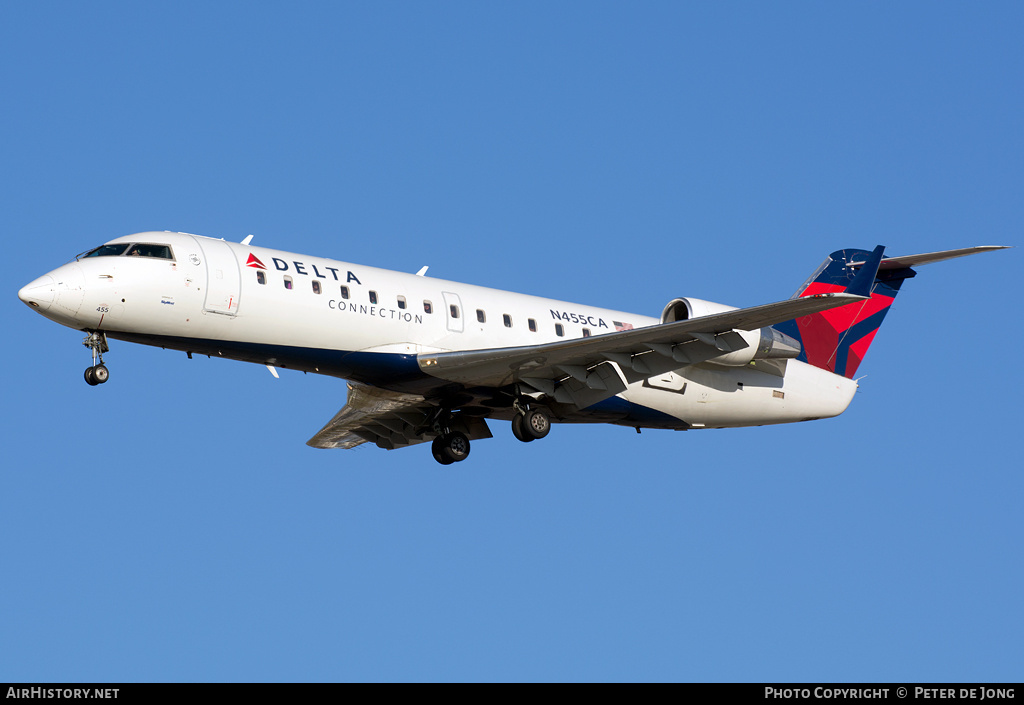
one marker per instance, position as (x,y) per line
(388,419)
(581,372)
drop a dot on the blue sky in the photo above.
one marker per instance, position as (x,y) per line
(172,524)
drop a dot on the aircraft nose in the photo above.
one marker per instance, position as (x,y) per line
(39,293)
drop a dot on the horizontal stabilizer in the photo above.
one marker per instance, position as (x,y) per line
(929,257)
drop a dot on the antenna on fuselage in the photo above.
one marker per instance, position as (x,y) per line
(423,271)
(247,240)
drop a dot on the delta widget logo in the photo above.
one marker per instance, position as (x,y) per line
(254,262)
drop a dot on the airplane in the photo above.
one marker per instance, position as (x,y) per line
(428,360)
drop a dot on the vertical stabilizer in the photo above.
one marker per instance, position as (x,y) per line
(837,340)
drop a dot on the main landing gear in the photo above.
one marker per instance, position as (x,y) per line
(98,373)
(451,447)
(530,424)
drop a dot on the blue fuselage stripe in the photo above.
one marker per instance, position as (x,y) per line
(394,371)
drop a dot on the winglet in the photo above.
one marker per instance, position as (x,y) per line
(865,279)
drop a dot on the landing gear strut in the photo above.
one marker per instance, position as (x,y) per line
(98,373)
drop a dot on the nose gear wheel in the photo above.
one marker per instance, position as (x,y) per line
(98,373)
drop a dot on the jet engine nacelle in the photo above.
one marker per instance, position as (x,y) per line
(739,347)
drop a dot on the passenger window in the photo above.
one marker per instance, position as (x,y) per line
(427,307)
(559,330)
(401,302)
(287,282)
(316,287)
(373,297)
(480,316)
(586,332)
(454,310)
(261,276)
(344,292)
(507,319)
(532,325)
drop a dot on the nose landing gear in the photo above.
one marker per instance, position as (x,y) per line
(98,373)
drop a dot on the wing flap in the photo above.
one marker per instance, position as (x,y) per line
(596,385)
(389,420)
(374,415)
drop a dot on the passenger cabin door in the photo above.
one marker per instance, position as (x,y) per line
(453,312)
(223,278)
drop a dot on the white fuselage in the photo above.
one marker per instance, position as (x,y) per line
(368,324)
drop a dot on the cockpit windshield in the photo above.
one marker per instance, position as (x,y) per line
(158,251)
(108,250)
(132,250)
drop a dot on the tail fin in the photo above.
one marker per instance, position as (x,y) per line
(837,340)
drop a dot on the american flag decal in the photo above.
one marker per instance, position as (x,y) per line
(622,326)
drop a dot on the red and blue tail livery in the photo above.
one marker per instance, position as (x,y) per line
(837,339)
